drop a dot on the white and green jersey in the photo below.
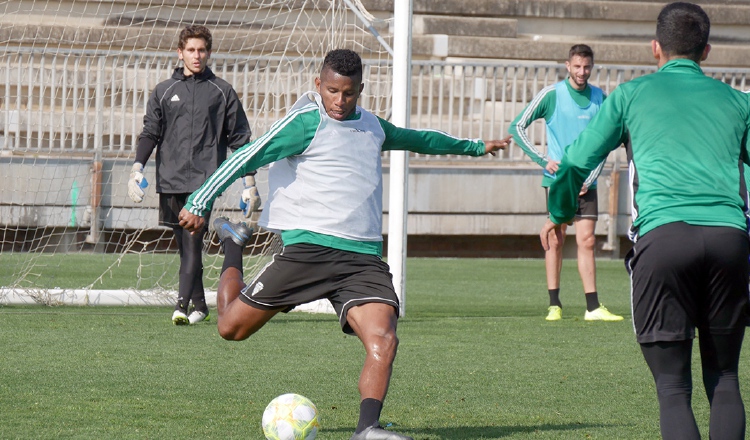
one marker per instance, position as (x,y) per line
(325,180)
(300,195)
(689,135)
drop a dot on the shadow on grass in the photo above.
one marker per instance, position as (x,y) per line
(486,432)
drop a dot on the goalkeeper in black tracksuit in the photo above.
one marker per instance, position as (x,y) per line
(191,119)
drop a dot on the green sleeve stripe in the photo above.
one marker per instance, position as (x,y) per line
(525,119)
(594,174)
(201,201)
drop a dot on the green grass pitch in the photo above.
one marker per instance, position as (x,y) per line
(477,360)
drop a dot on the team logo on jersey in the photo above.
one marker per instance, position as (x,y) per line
(357,130)
(258,287)
(175,98)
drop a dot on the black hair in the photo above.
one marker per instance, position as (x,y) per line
(345,62)
(581,50)
(682,30)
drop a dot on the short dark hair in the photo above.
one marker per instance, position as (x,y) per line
(682,30)
(195,31)
(581,50)
(345,62)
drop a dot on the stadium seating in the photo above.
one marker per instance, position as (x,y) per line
(528,30)
(619,31)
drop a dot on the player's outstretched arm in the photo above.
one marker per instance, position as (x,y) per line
(191,222)
(493,146)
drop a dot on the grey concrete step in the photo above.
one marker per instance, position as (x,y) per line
(464,26)
(545,30)
(545,48)
(662,2)
(720,12)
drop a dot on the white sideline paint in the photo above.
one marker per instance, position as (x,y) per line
(83,297)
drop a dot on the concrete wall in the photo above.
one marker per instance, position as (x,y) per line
(453,202)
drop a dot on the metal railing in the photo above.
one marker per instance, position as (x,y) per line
(82,102)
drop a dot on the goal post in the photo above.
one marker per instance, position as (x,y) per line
(75,77)
(399,160)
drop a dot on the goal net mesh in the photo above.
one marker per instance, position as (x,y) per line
(75,76)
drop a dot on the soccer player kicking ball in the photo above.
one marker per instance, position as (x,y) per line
(325,198)
(689,263)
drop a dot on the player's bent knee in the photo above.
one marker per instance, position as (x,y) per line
(391,341)
(383,346)
(239,321)
(230,331)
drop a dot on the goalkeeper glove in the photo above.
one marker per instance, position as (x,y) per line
(250,199)
(136,183)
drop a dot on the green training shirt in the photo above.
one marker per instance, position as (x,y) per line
(688,133)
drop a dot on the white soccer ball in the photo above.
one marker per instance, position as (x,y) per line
(290,417)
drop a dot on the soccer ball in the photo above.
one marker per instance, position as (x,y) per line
(290,417)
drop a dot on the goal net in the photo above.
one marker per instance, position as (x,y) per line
(75,76)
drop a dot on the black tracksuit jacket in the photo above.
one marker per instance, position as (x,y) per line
(191,121)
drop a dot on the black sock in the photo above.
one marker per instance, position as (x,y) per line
(554,297)
(232,256)
(592,301)
(369,414)
(200,305)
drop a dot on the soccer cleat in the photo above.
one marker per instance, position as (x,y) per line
(239,233)
(554,313)
(601,314)
(378,433)
(180,318)
(196,316)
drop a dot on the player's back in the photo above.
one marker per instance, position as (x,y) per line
(687,131)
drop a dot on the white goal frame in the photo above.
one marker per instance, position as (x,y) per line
(400,104)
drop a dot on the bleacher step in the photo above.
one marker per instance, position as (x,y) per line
(465,26)
(545,48)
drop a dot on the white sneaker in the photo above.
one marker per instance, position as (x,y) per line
(179,318)
(197,316)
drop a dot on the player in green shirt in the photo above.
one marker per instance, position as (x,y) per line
(689,262)
(325,198)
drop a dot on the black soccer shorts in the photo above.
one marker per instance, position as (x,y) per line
(685,276)
(303,273)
